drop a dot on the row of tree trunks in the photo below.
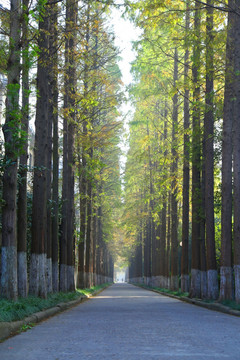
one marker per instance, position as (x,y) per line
(204,281)
(51,262)
(201,262)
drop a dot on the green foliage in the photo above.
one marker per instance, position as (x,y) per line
(166,291)
(13,311)
(26,327)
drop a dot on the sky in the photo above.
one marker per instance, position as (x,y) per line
(125,33)
(4,3)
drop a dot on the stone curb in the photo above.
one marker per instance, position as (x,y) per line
(210,306)
(10,328)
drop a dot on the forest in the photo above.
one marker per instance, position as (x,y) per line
(68,211)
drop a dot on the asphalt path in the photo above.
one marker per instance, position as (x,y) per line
(128,323)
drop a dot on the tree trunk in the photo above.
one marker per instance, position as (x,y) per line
(11,126)
(83,204)
(37,285)
(55,160)
(22,173)
(195,290)
(236,152)
(212,275)
(226,284)
(167,268)
(174,188)
(63,236)
(88,236)
(49,166)
(72,19)
(185,206)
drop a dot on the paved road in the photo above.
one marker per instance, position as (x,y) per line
(128,323)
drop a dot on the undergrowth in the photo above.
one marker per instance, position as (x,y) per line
(23,307)
(163,290)
(231,304)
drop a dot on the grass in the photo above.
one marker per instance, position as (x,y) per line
(231,304)
(23,307)
(166,291)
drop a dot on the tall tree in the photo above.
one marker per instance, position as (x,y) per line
(67,226)
(11,136)
(226,284)
(236,150)
(22,173)
(55,155)
(212,275)
(174,187)
(73,10)
(195,290)
(38,285)
(185,210)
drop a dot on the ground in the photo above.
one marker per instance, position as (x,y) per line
(128,323)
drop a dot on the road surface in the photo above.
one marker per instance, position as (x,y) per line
(128,323)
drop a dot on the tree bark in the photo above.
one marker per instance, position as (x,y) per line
(38,284)
(236,152)
(185,206)
(226,284)
(72,19)
(22,173)
(212,275)
(89,236)
(174,187)
(10,130)
(167,268)
(55,160)
(195,290)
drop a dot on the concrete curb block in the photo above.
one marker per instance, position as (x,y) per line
(210,306)
(10,328)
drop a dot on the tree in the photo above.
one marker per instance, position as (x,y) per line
(226,285)
(68,213)
(55,155)
(195,289)
(212,275)
(185,210)
(236,151)
(11,136)
(37,284)
(22,173)
(174,187)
